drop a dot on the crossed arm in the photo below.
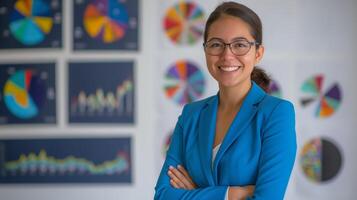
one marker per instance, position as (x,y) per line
(180,179)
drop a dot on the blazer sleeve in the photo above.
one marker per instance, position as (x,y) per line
(277,153)
(164,190)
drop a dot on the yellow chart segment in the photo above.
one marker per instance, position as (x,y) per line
(44,23)
(19,94)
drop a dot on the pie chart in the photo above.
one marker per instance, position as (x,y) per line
(274,89)
(24,94)
(184,23)
(328,101)
(106,20)
(31,21)
(320,160)
(184,82)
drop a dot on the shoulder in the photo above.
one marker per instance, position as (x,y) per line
(196,106)
(270,104)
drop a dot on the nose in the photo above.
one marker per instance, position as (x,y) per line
(227,52)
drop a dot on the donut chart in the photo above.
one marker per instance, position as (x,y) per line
(106,20)
(31,21)
(24,94)
(184,82)
(328,101)
(320,160)
(184,23)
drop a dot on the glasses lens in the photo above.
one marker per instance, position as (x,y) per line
(214,47)
(240,47)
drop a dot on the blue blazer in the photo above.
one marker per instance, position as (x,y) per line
(259,149)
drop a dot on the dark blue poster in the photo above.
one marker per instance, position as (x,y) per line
(105,24)
(101,92)
(30,24)
(27,93)
(79,160)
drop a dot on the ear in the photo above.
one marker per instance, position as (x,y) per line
(259,54)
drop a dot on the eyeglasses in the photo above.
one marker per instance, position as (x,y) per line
(216,47)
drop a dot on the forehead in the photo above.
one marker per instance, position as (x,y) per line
(229,27)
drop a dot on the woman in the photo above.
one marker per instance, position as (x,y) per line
(240,143)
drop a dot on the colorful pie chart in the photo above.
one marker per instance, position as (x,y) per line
(328,101)
(320,160)
(106,20)
(31,21)
(184,23)
(184,82)
(24,94)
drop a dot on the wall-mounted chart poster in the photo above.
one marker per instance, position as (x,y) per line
(27,93)
(30,24)
(75,160)
(101,92)
(105,24)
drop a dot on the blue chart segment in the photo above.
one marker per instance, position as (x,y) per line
(101,92)
(28,93)
(65,160)
(31,23)
(105,24)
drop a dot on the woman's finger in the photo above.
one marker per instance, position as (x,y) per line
(182,178)
(176,179)
(185,173)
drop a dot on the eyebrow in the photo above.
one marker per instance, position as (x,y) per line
(234,39)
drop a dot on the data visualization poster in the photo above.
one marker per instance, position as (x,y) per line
(27,93)
(101,92)
(30,24)
(105,24)
(80,160)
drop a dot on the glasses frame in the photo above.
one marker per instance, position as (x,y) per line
(251,43)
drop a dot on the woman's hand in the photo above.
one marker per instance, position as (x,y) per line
(240,193)
(180,179)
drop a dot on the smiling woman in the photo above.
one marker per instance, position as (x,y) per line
(240,143)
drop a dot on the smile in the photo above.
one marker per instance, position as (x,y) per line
(229,69)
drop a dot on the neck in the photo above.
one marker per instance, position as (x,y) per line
(231,98)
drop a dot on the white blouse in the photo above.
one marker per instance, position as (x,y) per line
(214,154)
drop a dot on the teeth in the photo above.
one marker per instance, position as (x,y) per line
(229,69)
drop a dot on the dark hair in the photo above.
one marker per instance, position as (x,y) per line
(260,77)
(237,10)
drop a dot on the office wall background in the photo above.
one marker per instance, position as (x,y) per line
(310,54)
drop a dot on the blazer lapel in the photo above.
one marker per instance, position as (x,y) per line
(242,119)
(206,133)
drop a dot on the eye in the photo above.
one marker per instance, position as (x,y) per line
(215,44)
(240,44)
